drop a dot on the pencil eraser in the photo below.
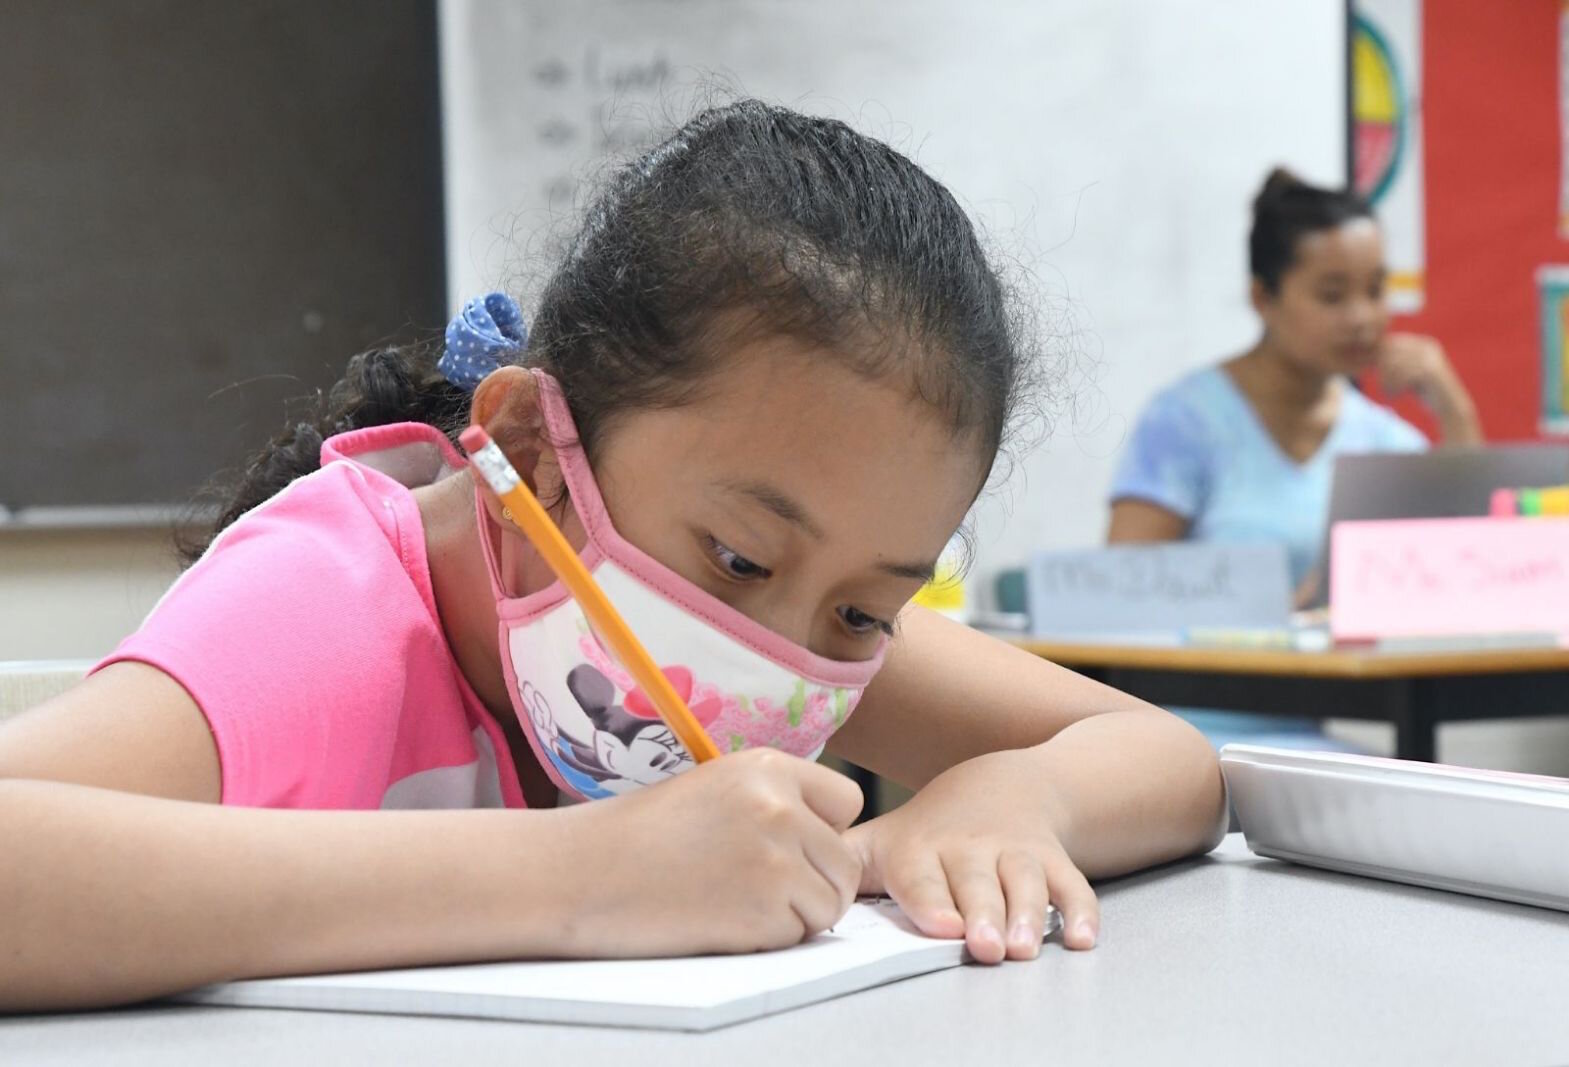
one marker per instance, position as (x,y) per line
(473,439)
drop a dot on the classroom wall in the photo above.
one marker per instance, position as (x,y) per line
(75,594)
(1491,127)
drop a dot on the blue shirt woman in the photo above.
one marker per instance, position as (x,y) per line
(1200,452)
(1245,451)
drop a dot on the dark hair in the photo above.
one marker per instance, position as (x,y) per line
(799,224)
(1286,210)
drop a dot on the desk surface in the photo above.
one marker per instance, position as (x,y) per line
(1228,959)
(1338,663)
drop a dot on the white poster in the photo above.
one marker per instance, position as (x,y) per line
(1386,78)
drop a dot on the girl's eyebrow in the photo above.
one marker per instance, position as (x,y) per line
(921,572)
(777,501)
(790,510)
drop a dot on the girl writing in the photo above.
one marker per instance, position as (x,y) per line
(759,396)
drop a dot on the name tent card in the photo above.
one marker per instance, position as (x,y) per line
(1133,591)
(1441,577)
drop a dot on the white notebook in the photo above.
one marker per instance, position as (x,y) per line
(873,944)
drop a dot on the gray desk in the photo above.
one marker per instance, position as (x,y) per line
(1230,959)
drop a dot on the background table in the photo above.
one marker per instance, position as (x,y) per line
(1227,959)
(1414,691)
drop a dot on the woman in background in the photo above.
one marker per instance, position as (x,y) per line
(1243,451)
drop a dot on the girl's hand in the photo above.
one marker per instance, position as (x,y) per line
(736,855)
(975,855)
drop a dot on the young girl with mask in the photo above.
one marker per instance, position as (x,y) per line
(759,396)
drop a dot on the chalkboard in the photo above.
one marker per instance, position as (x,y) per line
(205,209)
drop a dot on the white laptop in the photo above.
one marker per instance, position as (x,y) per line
(1487,833)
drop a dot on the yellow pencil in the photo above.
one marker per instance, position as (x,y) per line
(530,517)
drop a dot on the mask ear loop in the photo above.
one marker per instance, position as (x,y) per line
(487,544)
(487,535)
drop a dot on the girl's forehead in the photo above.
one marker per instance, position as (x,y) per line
(786,397)
(833,441)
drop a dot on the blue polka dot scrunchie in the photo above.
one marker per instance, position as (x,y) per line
(487,328)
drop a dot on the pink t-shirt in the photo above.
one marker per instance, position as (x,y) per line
(309,637)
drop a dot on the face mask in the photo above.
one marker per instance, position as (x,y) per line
(591,727)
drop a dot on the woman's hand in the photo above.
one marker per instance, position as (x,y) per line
(740,854)
(1412,363)
(975,854)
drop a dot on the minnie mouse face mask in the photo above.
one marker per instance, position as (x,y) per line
(591,727)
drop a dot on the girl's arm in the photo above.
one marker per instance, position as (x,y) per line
(1030,776)
(112,897)
(122,881)
(1137,784)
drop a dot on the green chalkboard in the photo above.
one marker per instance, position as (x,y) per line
(205,209)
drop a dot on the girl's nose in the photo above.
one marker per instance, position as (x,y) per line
(792,621)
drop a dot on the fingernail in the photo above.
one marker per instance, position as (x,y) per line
(1023,935)
(1085,932)
(989,934)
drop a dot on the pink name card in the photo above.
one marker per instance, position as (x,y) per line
(1444,577)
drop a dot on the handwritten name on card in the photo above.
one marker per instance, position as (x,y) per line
(1129,589)
(1428,577)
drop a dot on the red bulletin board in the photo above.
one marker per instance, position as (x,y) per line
(1491,124)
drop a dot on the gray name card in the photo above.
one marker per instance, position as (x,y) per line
(1165,589)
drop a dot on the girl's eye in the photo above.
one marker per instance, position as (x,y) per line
(736,565)
(858,622)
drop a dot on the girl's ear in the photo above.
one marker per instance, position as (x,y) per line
(508,405)
(1259,296)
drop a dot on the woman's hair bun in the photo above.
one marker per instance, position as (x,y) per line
(1288,209)
(1280,184)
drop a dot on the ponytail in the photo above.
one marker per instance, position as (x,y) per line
(380,386)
